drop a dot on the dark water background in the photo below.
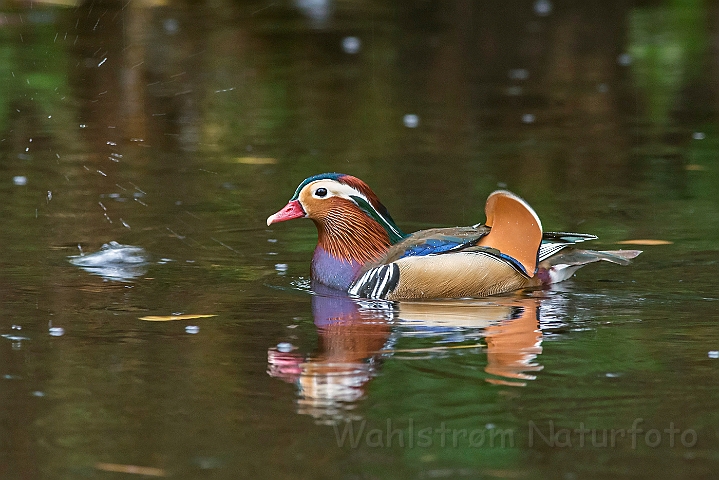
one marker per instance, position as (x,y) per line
(178,127)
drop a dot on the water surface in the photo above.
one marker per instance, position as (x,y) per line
(176,129)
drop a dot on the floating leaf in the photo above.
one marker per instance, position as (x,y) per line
(645,241)
(257,160)
(117,467)
(167,318)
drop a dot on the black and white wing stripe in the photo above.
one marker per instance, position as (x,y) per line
(553,242)
(377,282)
(546,250)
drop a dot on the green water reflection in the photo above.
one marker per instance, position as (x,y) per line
(178,127)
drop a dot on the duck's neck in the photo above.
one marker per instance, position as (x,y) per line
(345,244)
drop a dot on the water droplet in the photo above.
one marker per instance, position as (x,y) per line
(515,91)
(351,45)
(171,26)
(519,74)
(543,7)
(19,180)
(410,120)
(624,59)
(285,347)
(192,329)
(56,331)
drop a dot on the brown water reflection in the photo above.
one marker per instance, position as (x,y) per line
(357,336)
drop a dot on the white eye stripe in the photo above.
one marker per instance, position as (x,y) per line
(335,189)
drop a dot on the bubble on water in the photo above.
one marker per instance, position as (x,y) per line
(528,118)
(56,331)
(16,327)
(38,393)
(285,347)
(19,180)
(624,59)
(698,136)
(543,7)
(410,120)
(192,329)
(82,125)
(713,353)
(272,240)
(351,45)
(281,268)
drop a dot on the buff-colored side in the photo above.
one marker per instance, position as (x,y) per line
(462,274)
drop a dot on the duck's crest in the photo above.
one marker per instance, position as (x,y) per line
(313,178)
(368,202)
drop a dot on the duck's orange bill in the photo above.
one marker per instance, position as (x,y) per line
(292,210)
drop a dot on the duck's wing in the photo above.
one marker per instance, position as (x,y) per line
(554,242)
(515,230)
(434,241)
(512,232)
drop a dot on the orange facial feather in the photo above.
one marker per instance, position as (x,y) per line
(347,233)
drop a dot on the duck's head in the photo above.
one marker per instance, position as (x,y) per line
(348,215)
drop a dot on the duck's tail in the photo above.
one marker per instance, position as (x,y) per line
(561,266)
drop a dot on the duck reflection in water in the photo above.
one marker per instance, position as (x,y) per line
(356,336)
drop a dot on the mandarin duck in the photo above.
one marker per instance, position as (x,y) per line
(362,251)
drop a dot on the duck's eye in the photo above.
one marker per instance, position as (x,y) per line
(321,192)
